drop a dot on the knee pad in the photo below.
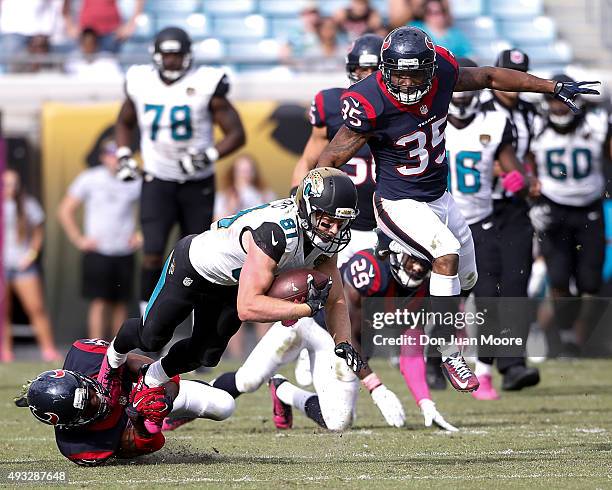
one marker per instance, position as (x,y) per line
(339,420)
(222,405)
(249,380)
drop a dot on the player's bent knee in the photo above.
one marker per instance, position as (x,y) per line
(224,406)
(468,280)
(338,421)
(248,380)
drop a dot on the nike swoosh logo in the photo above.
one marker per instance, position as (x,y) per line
(274,241)
(137,402)
(354,102)
(461,385)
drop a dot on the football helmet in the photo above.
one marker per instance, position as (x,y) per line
(327,191)
(406,269)
(408,55)
(364,53)
(560,117)
(172,40)
(464,105)
(62,398)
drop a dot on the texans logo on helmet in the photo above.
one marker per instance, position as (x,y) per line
(58,373)
(429,43)
(99,342)
(47,417)
(386,43)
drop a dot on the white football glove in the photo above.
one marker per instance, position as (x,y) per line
(540,217)
(195,160)
(389,405)
(128,168)
(431,415)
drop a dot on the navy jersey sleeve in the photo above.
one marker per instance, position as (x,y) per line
(366,273)
(358,113)
(317,111)
(507,138)
(445,56)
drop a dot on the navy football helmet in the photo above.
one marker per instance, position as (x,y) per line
(172,40)
(330,192)
(408,64)
(62,398)
(364,53)
(464,105)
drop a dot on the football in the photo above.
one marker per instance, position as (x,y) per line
(292,285)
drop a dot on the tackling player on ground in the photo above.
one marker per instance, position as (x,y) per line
(401,113)
(175,106)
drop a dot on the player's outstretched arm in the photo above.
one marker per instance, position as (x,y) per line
(226,116)
(314,147)
(256,278)
(516,81)
(342,148)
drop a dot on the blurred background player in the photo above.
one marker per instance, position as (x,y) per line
(569,150)
(108,240)
(325,116)
(175,106)
(475,140)
(88,409)
(23,237)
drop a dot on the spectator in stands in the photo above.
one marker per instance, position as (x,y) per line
(23,240)
(402,12)
(104,18)
(35,59)
(108,240)
(306,37)
(242,188)
(437,23)
(89,62)
(358,18)
(328,53)
(21,20)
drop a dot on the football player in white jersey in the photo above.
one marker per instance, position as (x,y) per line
(475,139)
(569,150)
(223,274)
(175,106)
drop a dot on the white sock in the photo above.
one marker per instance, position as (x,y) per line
(142,306)
(115,359)
(292,395)
(482,369)
(156,376)
(441,285)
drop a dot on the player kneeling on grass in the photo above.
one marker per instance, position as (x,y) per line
(223,276)
(87,407)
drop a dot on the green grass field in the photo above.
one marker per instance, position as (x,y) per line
(556,435)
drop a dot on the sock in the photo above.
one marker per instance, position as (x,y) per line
(115,359)
(294,396)
(313,411)
(412,367)
(156,376)
(227,382)
(482,369)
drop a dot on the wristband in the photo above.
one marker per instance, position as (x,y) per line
(123,151)
(212,154)
(371,382)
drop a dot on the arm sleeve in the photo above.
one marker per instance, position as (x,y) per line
(270,238)
(358,113)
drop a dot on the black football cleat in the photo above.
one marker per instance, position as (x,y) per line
(518,377)
(435,378)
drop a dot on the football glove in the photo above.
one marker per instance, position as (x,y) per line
(150,403)
(195,160)
(128,168)
(566,92)
(316,298)
(431,415)
(540,217)
(513,181)
(347,352)
(389,405)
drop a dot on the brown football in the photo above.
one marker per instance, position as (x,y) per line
(292,286)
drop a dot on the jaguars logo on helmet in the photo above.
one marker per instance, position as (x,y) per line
(408,52)
(327,191)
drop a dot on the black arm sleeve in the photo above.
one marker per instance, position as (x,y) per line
(270,238)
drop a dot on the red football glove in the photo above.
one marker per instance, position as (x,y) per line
(151,403)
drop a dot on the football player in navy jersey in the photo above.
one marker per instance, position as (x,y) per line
(400,112)
(88,408)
